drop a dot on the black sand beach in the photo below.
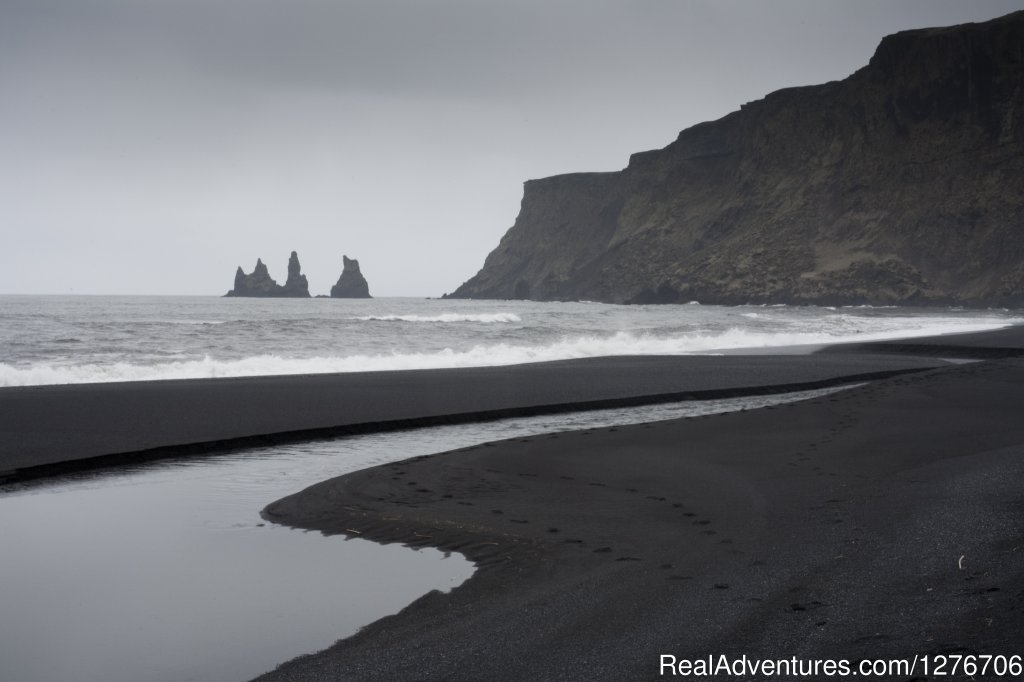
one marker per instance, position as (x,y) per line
(880,522)
(55,429)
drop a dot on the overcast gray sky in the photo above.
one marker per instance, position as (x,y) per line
(151,146)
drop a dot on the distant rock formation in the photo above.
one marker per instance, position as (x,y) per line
(901,184)
(296,285)
(351,284)
(260,284)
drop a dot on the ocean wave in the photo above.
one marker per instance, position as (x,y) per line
(868,306)
(620,343)
(486,318)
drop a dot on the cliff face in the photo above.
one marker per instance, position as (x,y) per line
(259,284)
(351,284)
(902,184)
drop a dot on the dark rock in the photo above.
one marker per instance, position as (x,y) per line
(259,284)
(901,184)
(296,286)
(351,284)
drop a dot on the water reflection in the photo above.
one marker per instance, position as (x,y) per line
(165,578)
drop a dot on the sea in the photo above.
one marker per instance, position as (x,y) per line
(82,339)
(166,571)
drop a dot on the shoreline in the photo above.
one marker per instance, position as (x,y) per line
(59,429)
(883,521)
(818,529)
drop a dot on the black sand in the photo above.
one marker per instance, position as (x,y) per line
(1000,343)
(880,522)
(53,429)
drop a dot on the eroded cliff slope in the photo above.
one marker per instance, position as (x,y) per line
(903,183)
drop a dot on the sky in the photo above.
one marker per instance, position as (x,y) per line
(153,146)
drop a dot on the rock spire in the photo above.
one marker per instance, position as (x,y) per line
(259,283)
(351,284)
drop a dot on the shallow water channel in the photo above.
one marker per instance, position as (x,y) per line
(167,572)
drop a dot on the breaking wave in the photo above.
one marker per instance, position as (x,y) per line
(621,343)
(447,317)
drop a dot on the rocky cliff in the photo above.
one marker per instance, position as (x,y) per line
(902,184)
(260,284)
(351,284)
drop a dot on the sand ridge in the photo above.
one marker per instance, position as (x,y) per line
(52,430)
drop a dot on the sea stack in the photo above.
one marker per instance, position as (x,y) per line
(296,285)
(259,284)
(351,284)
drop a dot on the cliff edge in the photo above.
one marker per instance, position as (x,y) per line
(901,184)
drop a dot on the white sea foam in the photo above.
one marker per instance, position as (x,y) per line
(621,343)
(486,318)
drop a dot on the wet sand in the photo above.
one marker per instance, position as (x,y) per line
(880,522)
(51,430)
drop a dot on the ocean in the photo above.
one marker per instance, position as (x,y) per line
(81,339)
